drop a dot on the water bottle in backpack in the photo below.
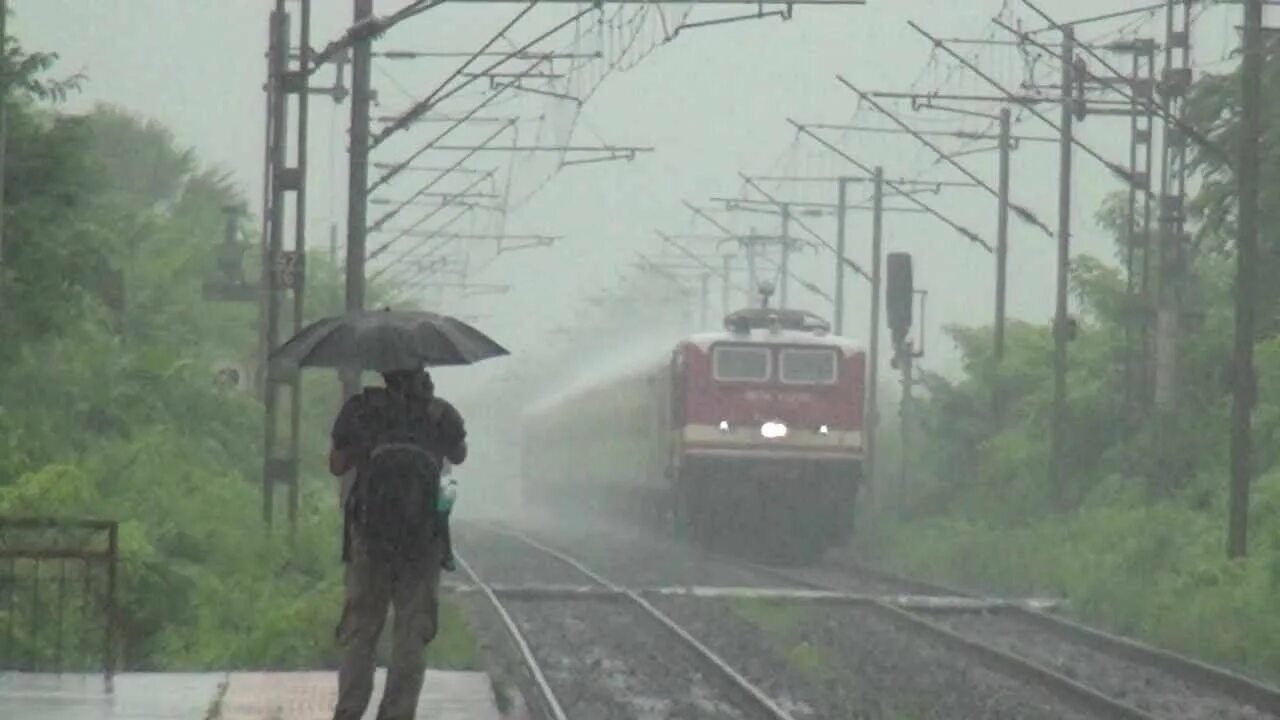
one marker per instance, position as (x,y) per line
(448,495)
(444,507)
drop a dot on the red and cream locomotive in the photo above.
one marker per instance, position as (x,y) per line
(751,437)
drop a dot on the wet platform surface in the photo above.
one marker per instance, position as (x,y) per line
(244,696)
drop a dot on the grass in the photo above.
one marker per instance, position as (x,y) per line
(501,695)
(456,646)
(782,621)
(809,660)
(1153,573)
(768,615)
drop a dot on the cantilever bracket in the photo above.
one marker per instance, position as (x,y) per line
(785,13)
(974,151)
(540,242)
(627,155)
(516,85)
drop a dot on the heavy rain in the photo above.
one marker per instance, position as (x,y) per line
(548,360)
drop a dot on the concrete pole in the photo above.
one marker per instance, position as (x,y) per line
(1246,265)
(726,285)
(1131,248)
(871,415)
(1002,232)
(842,203)
(358,175)
(1002,257)
(704,302)
(279,108)
(785,281)
(300,252)
(1058,479)
(4,124)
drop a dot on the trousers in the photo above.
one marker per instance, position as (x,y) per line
(410,588)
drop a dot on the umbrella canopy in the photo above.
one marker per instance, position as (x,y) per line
(383,340)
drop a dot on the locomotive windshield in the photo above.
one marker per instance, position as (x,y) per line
(742,364)
(809,367)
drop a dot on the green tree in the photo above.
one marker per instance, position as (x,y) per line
(107,402)
(1136,551)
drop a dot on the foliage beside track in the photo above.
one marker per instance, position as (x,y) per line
(1140,547)
(108,406)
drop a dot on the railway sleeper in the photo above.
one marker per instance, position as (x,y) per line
(917,603)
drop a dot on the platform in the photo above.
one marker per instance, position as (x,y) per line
(247,696)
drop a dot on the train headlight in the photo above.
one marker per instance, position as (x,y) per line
(773,430)
(724,426)
(824,430)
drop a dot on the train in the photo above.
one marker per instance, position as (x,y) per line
(745,439)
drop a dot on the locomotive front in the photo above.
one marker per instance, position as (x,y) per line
(768,427)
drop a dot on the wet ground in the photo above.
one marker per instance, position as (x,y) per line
(221,696)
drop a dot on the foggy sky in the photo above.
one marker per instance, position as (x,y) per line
(713,102)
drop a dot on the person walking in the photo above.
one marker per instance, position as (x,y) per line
(397,439)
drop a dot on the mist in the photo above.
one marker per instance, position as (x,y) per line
(712,102)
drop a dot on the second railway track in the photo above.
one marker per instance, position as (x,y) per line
(1137,679)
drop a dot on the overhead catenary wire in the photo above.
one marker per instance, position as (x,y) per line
(805,226)
(791,274)
(445,203)
(974,137)
(413,9)
(1021,211)
(429,252)
(422,150)
(404,164)
(418,247)
(389,215)
(667,239)
(1105,16)
(730,235)
(1160,109)
(1117,169)
(367,30)
(966,232)
(439,95)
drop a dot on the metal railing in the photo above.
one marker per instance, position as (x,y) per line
(58,595)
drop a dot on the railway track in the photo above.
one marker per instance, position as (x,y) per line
(617,682)
(1093,673)
(1117,676)
(907,626)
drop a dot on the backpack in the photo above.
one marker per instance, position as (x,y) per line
(392,505)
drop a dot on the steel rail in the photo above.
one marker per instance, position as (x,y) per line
(549,698)
(756,694)
(1070,691)
(1261,695)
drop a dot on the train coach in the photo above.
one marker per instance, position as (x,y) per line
(749,438)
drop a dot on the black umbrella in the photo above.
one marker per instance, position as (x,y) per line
(384,340)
